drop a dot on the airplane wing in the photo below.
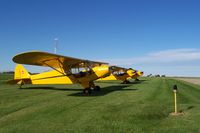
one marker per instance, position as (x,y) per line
(52,60)
(117,68)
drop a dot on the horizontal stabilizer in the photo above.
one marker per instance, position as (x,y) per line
(12,82)
(19,81)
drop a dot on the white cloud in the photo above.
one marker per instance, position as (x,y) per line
(174,62)
(176,55)
(161,57)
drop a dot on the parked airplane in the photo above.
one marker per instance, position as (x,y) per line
(124,74)
(66,70)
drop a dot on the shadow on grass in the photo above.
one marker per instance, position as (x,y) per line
(117,82)
(105,91)
(79,92)
(190,107)
(50,88)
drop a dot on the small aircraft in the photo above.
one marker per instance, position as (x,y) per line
(124,74)
(66,70)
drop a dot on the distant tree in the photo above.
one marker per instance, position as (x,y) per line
(150,75)
(8,72)
(163,76)
(157,75)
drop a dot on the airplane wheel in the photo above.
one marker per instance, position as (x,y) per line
(137,80)
(87,91)
(97,88)
(125,82)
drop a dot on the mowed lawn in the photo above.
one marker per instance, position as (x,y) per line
(138,107)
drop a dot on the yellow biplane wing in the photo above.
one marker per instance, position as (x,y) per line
(52,60)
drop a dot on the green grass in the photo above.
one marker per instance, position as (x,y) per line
(139,107)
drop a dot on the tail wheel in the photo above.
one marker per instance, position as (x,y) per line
(22,83)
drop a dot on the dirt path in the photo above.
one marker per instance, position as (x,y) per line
(191,80)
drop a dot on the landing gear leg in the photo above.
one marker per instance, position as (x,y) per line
(90,87)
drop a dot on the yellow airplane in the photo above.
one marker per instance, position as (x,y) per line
(124,74)
(66,70)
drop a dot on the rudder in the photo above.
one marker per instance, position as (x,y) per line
(21,76)
(21,72)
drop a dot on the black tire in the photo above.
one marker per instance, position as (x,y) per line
(87,91)
(97,88)
(137,80)
(126,82)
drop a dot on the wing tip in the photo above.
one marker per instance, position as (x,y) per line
(17,56)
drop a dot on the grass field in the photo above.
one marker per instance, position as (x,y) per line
(138,107)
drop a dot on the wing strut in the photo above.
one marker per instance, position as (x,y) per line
(55,68)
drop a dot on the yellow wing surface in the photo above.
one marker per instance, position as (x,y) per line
(52,60)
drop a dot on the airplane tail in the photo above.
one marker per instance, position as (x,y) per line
(21,72)
(21,76)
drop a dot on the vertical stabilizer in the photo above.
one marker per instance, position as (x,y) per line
(21,72)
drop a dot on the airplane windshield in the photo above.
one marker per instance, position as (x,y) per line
(80,72)
(119,73)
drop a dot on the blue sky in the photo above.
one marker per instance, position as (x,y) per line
(156,36)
